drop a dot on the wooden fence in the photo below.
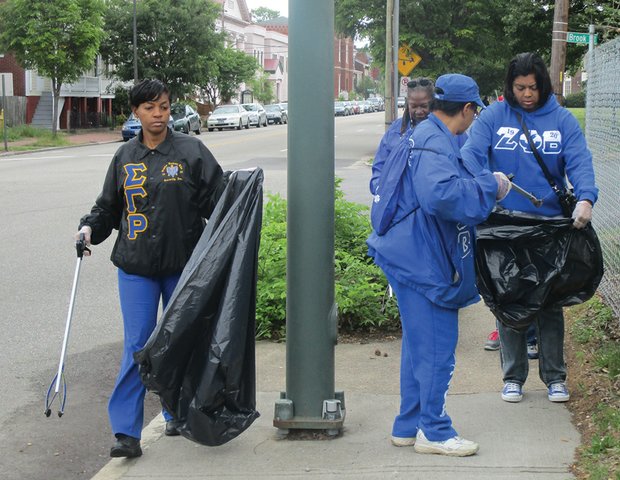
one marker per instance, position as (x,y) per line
(14,111)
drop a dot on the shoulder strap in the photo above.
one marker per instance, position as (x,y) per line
(526,132)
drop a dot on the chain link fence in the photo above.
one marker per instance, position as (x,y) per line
(603,135)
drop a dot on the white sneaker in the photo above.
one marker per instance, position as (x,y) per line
(403,441)
(453,447)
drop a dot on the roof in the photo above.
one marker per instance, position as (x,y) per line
(270,65)
(274,21)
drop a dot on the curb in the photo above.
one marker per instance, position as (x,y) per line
(116,468)
(48,149)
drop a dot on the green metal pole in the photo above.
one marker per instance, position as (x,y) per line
(5,133)
(311,313)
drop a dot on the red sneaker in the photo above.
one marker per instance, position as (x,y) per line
(492,342)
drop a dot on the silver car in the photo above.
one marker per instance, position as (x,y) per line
(258,115)
(228,116)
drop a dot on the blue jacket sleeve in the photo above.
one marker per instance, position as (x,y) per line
(577,159)
(478,144)
(447,190)
(388,143)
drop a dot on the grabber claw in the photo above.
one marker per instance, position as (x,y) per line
(59,383)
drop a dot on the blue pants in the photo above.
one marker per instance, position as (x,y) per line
(139,298)
(430,334)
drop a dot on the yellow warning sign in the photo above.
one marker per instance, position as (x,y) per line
(407,60)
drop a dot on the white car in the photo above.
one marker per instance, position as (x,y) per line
(258,116)
(228,116)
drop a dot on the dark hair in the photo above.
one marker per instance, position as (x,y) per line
(147,91)
(446,106)
(525,64)
(422,84)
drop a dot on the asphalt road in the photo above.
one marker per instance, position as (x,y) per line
(43,195)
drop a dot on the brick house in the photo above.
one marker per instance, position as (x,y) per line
(83,104)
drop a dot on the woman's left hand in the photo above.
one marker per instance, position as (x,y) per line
(582,215)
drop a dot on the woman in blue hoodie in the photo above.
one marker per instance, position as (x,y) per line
(425,206)
(497,140)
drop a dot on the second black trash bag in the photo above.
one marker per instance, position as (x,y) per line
(525,262)
(200,359)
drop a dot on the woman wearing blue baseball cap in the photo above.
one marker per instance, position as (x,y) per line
(426,204)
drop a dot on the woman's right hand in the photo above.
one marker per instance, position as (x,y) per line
(86,231)
(503,185)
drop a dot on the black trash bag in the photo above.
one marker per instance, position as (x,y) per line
(525,263)
(200,359)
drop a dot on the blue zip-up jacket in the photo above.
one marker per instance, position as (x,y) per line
(389,142)
(497,141)
(429,244)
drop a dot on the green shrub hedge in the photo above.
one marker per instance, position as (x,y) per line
(576,100)
(360,285)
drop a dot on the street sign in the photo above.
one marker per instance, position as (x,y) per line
(403,86)
(576,37)
(407,60)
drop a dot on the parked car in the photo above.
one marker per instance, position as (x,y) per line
(132,127)
(400,102)
(276,114)
(185,118)
(258,115)
(340,109)
(378,103)
(228,116)
(355,107)
(367,106)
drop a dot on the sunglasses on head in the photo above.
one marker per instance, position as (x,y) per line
(423,82)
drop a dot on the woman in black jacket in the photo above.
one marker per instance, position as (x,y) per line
(158,191)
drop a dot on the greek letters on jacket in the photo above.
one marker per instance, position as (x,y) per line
(158,200)
(497,139)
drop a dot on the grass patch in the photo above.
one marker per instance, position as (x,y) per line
(580,114)
(30,137)
(593,358)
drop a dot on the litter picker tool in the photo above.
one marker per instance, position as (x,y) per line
(59,383)
(536,201)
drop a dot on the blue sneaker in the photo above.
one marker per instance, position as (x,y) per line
(558,392)
(512,392)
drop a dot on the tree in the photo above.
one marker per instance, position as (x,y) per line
(176,40)
(59,39)
(223,74)
(474,37)
(262,88)
(262,14)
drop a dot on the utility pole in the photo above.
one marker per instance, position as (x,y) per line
(5,134)
(391,57)
(558,47)
(310,400)
(135,45)
(395,46)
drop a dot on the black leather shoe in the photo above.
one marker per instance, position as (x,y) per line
(126,446)
(172,428)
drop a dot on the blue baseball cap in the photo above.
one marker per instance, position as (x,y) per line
(458,88)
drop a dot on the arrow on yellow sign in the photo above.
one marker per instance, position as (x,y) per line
(407,60)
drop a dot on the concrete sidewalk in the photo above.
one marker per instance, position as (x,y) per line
(533,439)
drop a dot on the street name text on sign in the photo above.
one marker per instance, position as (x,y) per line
(576,37)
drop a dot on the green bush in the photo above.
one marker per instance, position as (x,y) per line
(576,100)
(360,285)
(120,119)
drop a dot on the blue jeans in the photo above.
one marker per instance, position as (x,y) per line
(430,334)
(549,326)
(139,298)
